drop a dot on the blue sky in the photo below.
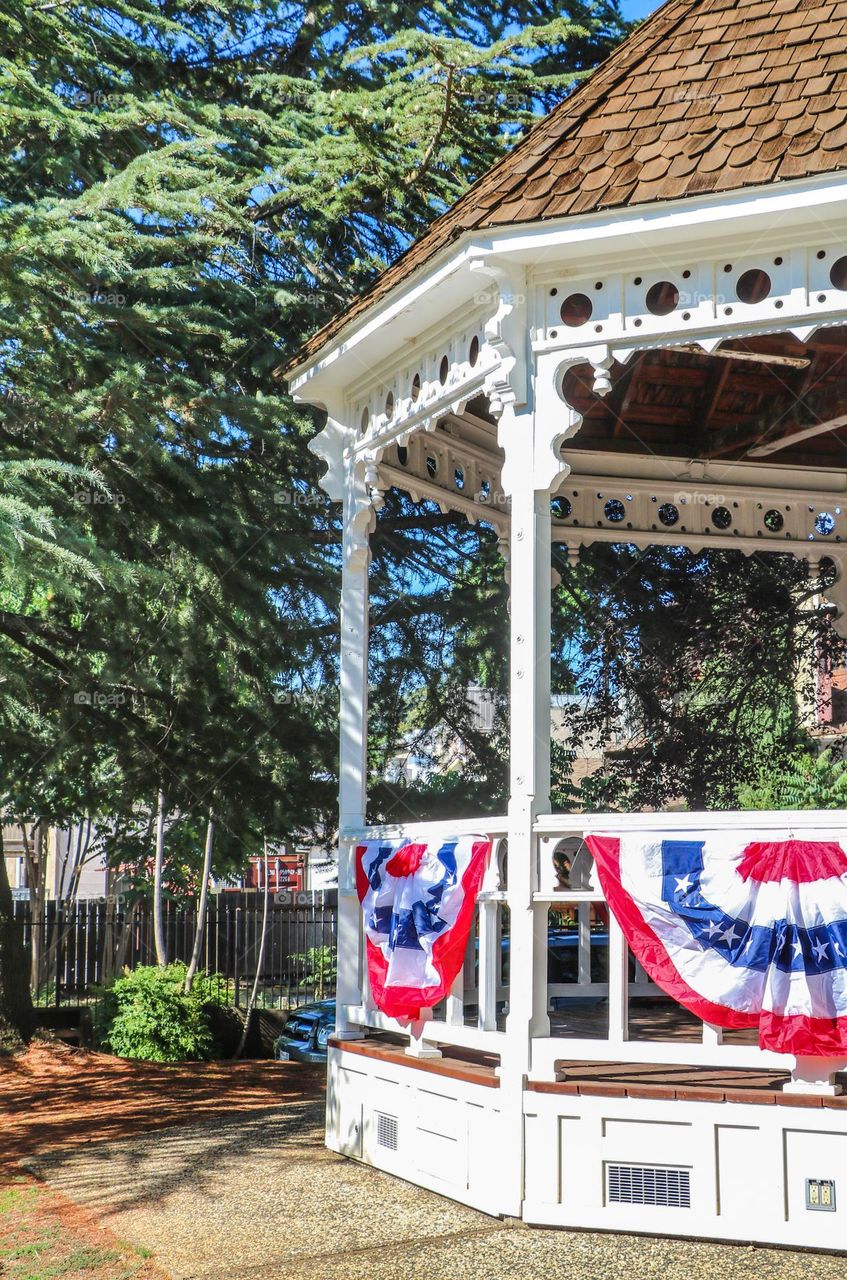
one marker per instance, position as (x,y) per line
(638,8)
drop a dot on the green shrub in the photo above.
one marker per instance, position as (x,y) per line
(146,1014)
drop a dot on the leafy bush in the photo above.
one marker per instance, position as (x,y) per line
(808,781)
(146,1014)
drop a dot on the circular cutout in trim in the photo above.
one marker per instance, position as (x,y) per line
(662,298)
(838,274)
(577,310)
(416,387)
(614,511)
(753,286)
(389,404)
(473,352)
(774,521)
(668,514)
(721,518)
(825,524)
(365,419)
(459,478)
(431,466)
(560,508)
(443,370)
(402,455)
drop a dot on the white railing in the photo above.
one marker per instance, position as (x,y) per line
(469,1017)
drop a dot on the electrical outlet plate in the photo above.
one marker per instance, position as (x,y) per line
(820,1195)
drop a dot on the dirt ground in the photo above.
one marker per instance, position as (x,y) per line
(57,1099)
(53,1096)
(219,1172)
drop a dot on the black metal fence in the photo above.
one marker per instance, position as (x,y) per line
(73,952)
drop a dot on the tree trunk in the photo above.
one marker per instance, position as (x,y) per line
(202,905)
(36,878)
(17,1017)
(260,960)
(158,926)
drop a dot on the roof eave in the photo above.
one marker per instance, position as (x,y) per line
(529,243)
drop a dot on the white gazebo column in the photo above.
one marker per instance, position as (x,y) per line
(529,758)
(530,436)
(358,518)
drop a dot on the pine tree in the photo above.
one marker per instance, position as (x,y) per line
(185,192)
(700,662)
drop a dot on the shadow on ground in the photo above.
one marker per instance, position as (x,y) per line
(257,1195)
(53,1096)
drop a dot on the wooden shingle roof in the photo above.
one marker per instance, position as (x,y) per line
(705,96)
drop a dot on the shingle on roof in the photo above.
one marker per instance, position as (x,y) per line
(707,95)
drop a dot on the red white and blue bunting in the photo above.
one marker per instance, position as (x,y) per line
(418,902)
(744,934)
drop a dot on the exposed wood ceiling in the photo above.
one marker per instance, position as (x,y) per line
(685,403)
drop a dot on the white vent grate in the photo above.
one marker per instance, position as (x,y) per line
(386,1131)
(643,1184)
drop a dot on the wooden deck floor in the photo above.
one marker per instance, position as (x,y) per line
(648,1020)
(685,1083)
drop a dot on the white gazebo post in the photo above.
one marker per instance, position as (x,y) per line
(530,434)
(358,519)
(531,437)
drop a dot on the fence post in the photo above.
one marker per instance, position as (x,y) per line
(59,947)
(236,967)
(618,984)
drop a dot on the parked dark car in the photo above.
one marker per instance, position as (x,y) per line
(307,1033)
(563,955)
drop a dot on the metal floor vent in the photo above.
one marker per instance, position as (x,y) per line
(386,1131)
(644,1184)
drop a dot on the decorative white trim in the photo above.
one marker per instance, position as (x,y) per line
(626,308)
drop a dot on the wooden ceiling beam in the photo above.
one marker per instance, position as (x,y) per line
(794,437)
(752,357)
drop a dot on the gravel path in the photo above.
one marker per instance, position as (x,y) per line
(257,1196)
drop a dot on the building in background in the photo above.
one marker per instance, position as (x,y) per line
(63,863)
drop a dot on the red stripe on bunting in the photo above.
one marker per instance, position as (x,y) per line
(801,861)
(802,1035)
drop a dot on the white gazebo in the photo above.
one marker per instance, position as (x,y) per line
(633,329)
